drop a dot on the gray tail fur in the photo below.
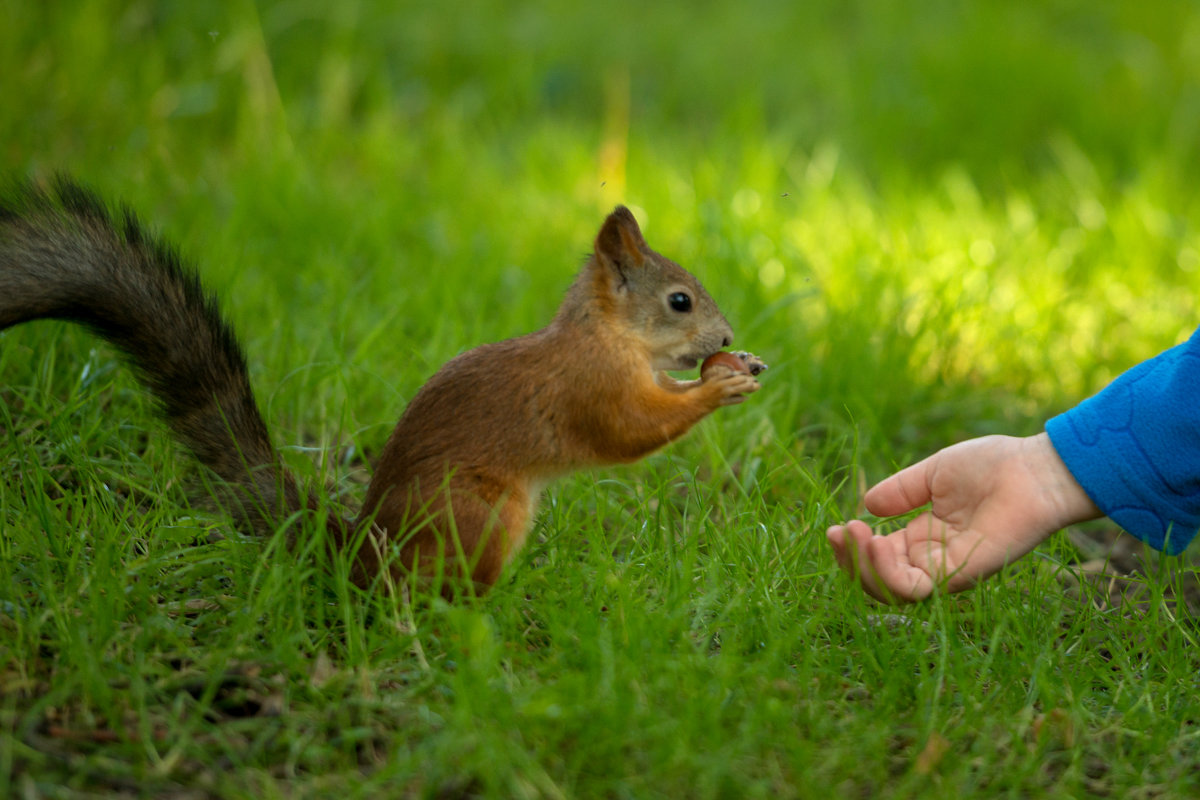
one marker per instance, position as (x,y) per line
(64,255)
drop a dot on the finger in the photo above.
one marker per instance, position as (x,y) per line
(836,536)
(843,549)
(898,579)
(859,563)
(902,492)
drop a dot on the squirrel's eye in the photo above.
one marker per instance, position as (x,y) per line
(680,301)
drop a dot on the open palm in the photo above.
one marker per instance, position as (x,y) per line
(992,500)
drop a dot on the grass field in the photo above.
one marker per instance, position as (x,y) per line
(934,221)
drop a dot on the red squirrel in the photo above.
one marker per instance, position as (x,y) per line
(456,486)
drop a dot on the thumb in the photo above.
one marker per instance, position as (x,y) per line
(902,492)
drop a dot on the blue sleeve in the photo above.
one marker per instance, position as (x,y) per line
(1135,447)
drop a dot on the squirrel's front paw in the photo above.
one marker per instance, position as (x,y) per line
(732,388)
(737,361)
(752,362)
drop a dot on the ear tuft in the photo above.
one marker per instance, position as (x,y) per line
(620,240)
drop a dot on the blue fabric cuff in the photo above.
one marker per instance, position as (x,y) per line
(1135,448)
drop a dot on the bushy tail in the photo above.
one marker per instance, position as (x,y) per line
(64,255)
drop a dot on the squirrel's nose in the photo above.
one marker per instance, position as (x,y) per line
(728,340)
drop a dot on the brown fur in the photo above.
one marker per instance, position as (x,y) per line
(459,479)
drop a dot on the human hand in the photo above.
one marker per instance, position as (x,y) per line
(993,500)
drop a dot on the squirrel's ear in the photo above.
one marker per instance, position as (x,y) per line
(620,241)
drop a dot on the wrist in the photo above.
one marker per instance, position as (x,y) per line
(1065,497)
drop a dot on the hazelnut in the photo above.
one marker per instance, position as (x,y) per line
(723,359)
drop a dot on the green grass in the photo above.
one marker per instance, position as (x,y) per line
(933,222)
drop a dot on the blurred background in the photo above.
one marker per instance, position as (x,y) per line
(934,221)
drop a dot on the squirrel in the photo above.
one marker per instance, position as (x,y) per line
(456,487)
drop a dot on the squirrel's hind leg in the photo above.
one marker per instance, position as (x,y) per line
(490,518)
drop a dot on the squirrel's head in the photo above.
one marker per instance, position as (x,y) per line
(656,301)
